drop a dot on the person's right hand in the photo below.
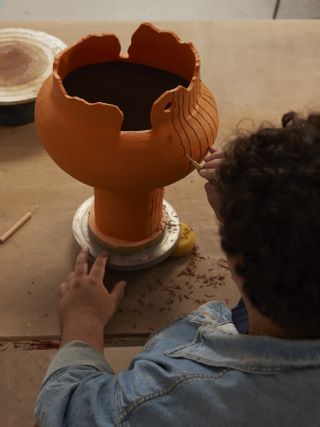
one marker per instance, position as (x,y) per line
(86,306)
(211,162)
(208,171)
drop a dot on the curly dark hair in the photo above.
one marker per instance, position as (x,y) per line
(269,191)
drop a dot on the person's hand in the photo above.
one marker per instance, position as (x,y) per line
(211,162)
(208,171)
(85,304)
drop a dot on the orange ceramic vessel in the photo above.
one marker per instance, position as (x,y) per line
(128,169)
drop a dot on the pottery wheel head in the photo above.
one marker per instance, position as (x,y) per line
(20,63)
(26,59)
(144,257)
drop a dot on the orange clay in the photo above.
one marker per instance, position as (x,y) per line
(127,168)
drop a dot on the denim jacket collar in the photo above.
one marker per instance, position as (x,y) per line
(218,344)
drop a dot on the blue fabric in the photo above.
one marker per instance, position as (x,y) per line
(240,317)
(198,371)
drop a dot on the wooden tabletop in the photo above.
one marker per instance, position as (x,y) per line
(257,71)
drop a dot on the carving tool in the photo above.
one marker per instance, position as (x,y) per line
(195,164)
(17,225)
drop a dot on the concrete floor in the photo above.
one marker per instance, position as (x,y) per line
(22,371)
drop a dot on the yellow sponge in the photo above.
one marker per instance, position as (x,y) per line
(186,241)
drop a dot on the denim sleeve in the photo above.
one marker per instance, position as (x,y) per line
(75,379)
(80,388)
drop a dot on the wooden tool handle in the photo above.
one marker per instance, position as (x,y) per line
(15,227)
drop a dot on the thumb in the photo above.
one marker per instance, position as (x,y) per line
(118,291)
(213,198)
(209,188)
(208,174)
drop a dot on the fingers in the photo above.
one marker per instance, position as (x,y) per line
(213,153)
(208,174)
(213,198)
(209,188)
(212,164)
(63,288)
(81,264)
(118,291)
(208,170)
(98,267)
(213,156)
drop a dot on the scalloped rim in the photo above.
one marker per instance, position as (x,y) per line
(141,26)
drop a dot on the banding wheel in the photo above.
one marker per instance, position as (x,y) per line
(118,259)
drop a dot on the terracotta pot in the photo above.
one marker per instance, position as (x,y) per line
(127,164)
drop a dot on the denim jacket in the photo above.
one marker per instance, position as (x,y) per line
(198,371)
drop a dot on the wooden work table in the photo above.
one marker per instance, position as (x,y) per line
(257,70)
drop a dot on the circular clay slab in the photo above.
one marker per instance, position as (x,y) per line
(26,58)
(143,258)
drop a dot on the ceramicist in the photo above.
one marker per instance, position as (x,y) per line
(200,370)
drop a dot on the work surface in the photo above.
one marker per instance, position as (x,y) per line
(257,71)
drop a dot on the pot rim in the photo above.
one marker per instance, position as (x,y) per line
(158,104)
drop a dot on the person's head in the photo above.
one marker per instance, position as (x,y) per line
(269,192)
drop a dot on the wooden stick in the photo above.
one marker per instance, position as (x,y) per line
(17,225)
(195,164)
